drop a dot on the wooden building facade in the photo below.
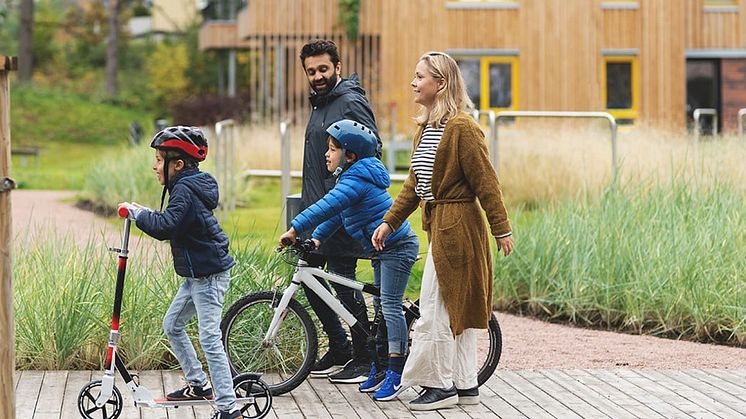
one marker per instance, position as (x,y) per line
(647,62)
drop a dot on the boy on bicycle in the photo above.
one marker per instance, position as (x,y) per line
(358,202)
(200,251)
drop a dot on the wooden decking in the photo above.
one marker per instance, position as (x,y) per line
(619,393)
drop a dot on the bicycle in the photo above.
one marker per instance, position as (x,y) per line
(101,399)
(272,333)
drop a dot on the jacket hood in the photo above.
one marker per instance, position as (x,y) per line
(370,169)
(204,186)
(345,86)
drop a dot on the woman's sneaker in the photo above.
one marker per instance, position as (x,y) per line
(353,373)
(374,381)
(435,398)
(233,414)
(390,388)
(329,364)
(468,396)
(191,393)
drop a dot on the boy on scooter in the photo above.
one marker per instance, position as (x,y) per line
(358,202)
(200,251)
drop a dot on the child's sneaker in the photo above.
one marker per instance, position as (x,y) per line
(191,393)
(374,381)
(233,414)
(330,363)
(390,388)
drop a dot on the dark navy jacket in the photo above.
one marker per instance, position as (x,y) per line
(198,244)
(358,203)
(345,101)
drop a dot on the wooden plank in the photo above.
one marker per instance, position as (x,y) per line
(569,399)
(309,402)
(618,397)
(27,393)
(172,380)
(332,398)
(650,386)
(692,394)
(515,398)
(496,404)
(400,408)
(53,391)
(589,395)
(129,410)
(153,381)
(284,406)
(363,403)
(737,392)
(16,378)
(76,380)
(537,395)
(659,405)
(731,402)
(737,377)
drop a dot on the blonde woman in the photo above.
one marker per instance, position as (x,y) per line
(450,171)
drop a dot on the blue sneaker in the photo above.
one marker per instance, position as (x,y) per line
(374,381)
(391,387)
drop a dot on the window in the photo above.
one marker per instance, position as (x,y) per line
(491,81)
(721,5)
(620,86)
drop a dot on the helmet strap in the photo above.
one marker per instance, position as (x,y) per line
(166,163)
(342,164)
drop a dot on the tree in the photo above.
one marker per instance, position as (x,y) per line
(112,48)
(25,62)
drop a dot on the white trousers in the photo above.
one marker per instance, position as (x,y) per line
(436,358)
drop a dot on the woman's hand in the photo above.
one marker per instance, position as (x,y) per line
(505,244)
(379,236)
(288,236)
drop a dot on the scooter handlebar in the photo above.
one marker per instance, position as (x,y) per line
(123,212)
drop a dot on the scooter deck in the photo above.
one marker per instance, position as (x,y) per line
(174,403)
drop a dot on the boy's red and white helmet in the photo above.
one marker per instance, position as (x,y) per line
(189,140)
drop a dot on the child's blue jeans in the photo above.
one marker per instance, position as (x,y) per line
(391,269)
(202,297)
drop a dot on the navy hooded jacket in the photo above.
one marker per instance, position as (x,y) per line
(198,244)
(358,203)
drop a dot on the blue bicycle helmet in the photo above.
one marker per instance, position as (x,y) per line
(354,137)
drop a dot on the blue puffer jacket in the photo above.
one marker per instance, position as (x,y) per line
(198,244)
(358,202)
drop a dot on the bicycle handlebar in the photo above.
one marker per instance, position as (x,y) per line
(301,247)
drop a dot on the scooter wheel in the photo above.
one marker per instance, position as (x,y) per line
(250,385)
(87,402)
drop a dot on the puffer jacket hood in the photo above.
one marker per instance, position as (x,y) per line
(204,186)
(357,203)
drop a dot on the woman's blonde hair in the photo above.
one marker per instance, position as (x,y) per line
(452,98)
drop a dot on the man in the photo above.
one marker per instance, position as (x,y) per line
(334,99)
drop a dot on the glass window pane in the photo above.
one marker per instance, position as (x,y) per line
(471,73)
(501,95)
(618,85)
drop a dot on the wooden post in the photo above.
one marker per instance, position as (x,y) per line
(7,333)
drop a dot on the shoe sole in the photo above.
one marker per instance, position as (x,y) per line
(354,380)
(391,397)
(372,389)
(468,400)
(440,404)
(329,371)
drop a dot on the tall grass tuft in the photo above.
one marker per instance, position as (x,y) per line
(664,258)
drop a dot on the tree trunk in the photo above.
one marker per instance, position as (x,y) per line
(112,50)
(25,62)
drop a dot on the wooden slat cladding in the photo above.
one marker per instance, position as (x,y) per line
(221,35)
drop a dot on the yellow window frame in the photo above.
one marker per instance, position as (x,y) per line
(633,111)
(720,3)
(485,82)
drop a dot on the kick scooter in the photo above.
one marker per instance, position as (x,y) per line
(100,399)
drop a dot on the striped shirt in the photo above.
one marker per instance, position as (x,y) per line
(423,159)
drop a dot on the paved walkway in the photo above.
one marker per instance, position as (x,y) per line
(546,393)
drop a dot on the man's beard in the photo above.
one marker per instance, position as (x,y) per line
(327,86)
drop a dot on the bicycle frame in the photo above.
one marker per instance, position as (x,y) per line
(305,274)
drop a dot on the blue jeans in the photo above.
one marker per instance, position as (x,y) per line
(351,299)
(202,297)
(391,269)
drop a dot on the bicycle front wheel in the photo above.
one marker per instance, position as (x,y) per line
(489,343)
(283,362)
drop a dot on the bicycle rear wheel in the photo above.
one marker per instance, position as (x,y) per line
(287,360)
(489,343)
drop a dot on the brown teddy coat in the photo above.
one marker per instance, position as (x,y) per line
(462,172)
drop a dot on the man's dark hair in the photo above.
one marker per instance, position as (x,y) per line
(317,47)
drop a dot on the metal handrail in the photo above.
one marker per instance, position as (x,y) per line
(566,114)
(741,113)
(284,165)
(224,163)
(492,119)
(705,111)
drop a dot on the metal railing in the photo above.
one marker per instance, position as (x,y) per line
(706,111)
(492,139)
(284,166)
(563,114)
(741,113)
(224,164)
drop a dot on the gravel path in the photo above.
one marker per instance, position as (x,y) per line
(527,343)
